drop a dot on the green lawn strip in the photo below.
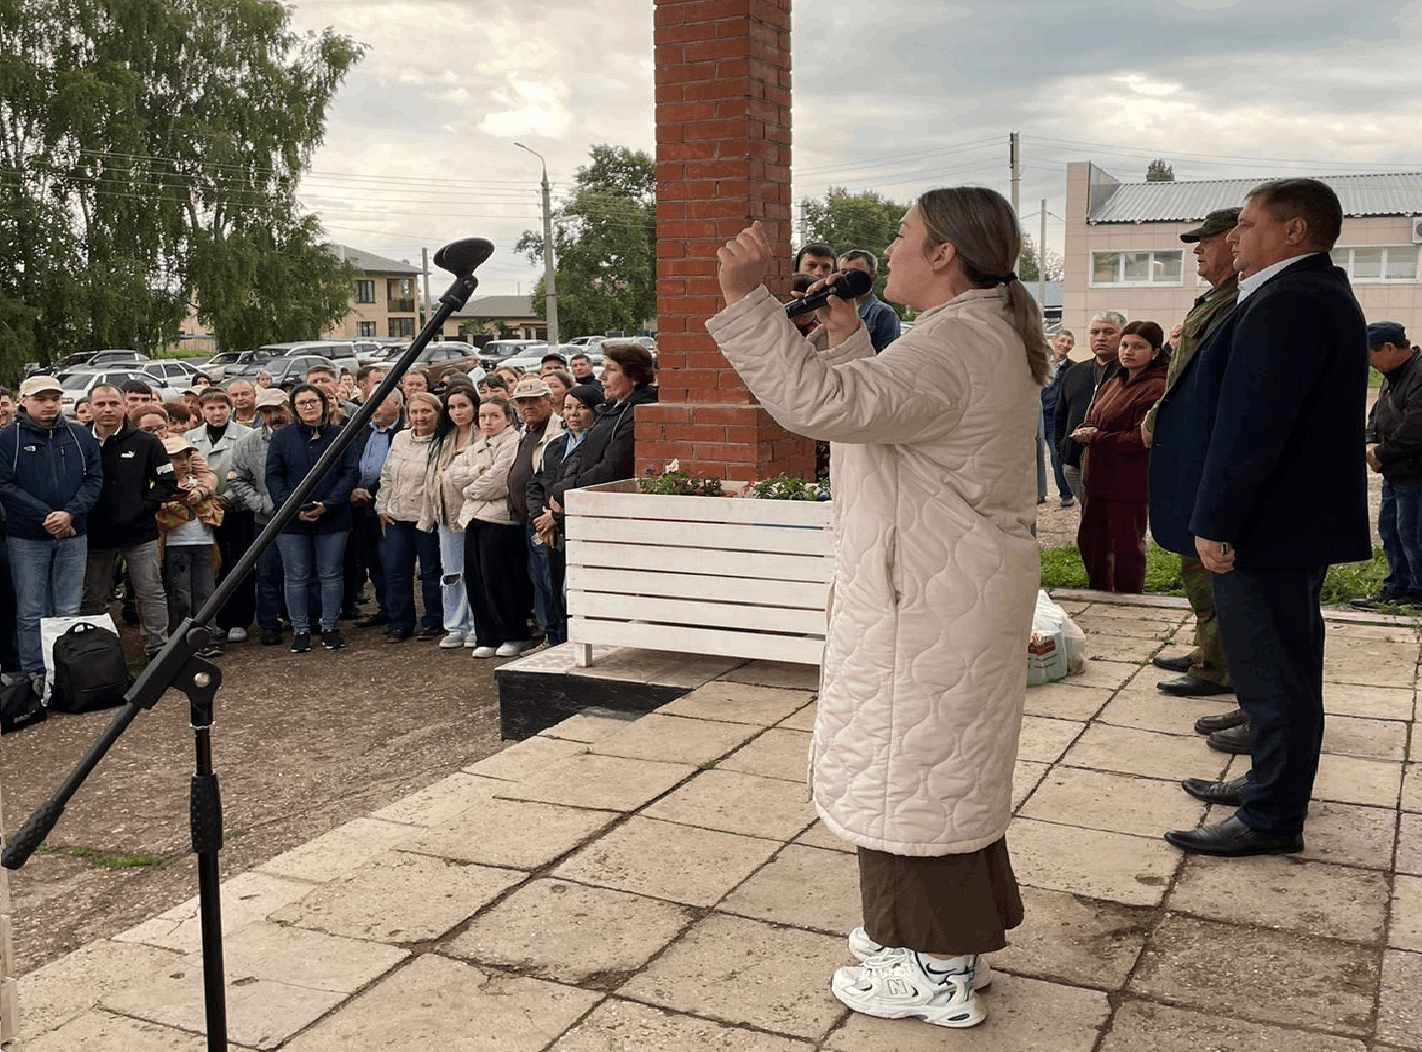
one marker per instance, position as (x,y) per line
(107,860)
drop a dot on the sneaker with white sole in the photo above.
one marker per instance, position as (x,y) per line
(894,985)
(236,635)
(863,947)
(452,641)
(483,652)
(515,649)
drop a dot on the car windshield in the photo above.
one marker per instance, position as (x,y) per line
(76,381)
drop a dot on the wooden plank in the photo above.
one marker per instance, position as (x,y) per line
(737,565)
(624,505)
(691,612)
(753,645)
(807,595)
(717,535)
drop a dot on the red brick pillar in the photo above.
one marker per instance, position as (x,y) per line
(723,160)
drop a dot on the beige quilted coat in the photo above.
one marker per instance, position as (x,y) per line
(936,574)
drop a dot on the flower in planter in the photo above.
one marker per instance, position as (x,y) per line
(787,487)
(677,483)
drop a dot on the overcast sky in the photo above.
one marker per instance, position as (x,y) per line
(895,96)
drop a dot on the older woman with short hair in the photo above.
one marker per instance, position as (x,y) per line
(629,374)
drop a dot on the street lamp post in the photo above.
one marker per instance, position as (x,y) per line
(550,267)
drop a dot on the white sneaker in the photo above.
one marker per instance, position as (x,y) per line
(236,635)
(451,641)
(471,641)
(515,649)
(863,947)
(895,986)
(484,652)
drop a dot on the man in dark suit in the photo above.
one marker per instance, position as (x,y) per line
(1257,470)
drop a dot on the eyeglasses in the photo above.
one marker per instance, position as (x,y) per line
(306,403)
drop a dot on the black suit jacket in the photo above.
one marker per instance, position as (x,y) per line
(1259,443)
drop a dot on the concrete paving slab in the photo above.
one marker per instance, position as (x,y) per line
(668,861)
(625,1026)
(1106,632)
(1354,780)
(1026,776)
(337,852)
(738,703)
(572,933)
(1171,608)
(802,719)
(1150,710)
(806,887)
(607,783)
(747,973)
(1389,629)
(1106,748)
(103,1030)
(1399,1007)
(1377,703)
(303,958)
(779,674)
(1409,843)
(1349,834)
(1108,800)
(1140,1026)
(675,739)
(1066,700)
(1072,939)
(586,729)
(1044,740)
(520,760)
(1369,738)
(738,803)
(441,802)
(400,897)
(1023,1015)
(1138,647)
(436,1003)
(777,753)
(1316,898)
(1404,930)
(818,836)
(1260,975)
(246,898)
(514,834)
(67,988)
(1092,862)
(1372,662)
(1412,788)
(1107,675)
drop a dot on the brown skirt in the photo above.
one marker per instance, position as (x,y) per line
(944,905)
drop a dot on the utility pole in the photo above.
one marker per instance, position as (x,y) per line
(1042,259)
(425,288)
(1014,161)
(550,267)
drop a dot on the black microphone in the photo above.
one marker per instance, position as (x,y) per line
(846,286)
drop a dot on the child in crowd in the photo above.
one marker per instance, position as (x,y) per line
(186,524)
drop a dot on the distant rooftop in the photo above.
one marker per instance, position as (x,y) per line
(1394,194)
(370,261)
(498,307)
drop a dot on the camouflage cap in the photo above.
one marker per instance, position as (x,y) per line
(1217,222)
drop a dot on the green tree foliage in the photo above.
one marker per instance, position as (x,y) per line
(149,157)
(1159,172)
(846,221)
(1027,262)
(605,241)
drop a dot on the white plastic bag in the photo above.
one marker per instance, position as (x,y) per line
(51,628)
(1057,646)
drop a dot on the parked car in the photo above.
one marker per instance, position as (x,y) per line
(285,370)
(586,342)
(176,372)
(112,358)
(340,352)
(78,384)
(493,353)
(218,365)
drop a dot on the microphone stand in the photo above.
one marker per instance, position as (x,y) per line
(177,665)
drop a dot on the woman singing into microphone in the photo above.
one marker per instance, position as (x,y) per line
(924,672)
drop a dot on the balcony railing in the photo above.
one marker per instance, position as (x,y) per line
(401,306)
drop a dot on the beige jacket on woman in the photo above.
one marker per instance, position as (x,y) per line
(443,499)
(401,494)
(924,673)
(482,474)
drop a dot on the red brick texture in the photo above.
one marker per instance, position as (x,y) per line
(723,161)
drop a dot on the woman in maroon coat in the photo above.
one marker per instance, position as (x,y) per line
(1113,517)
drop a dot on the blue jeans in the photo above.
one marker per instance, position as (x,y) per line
(402,544)
(308,555)
(269,587)
(545,566)
(1400,525)
(1041,458)
(1049,434)
(49,582)
(458,616)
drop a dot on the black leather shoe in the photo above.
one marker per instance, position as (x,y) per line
(426,633)
(1191,687)
(1233,839)
(1235,740)
(1175,664)
(1223,722)
(1214,792)
(373,621)
(397,635)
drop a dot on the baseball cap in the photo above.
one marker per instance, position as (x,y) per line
(38,385)
(1216,222)
(531,387)
(1381,332)
(177,444)
(269,397)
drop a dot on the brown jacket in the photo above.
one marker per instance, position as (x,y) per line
(1115,463)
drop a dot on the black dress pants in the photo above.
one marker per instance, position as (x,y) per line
(1272,631)
(234,537)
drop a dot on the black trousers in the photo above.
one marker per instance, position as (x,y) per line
(234,537)
(496,577)
(1272,631)
(364,546)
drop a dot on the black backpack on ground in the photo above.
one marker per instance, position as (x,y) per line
(20,706)
(89,670)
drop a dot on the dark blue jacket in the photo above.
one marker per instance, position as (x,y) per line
(292,454)
(1260,441)
(46,469)
(362,440)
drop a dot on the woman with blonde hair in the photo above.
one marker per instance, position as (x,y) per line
(924,672)
(399,505)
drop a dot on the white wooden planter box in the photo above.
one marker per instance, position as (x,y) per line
(701,575)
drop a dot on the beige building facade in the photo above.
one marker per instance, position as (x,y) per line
(1123,250)
(384,301)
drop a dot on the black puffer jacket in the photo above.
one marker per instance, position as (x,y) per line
(138,478)
(1395,423)
(608,453)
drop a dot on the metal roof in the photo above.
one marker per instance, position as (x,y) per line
(1393,194)
(369,261)
(498,307)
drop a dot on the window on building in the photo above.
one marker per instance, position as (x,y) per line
(1158,267)
(1378,263)
(402,326)
(365,328)
(365,291)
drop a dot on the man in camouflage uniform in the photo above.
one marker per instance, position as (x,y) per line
(1203,671)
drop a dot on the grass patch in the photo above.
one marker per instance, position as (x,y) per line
(1062,568)
(104,860)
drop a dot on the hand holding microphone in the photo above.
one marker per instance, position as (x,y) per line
(846,286)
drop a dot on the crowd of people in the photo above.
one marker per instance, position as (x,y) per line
(460,489)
